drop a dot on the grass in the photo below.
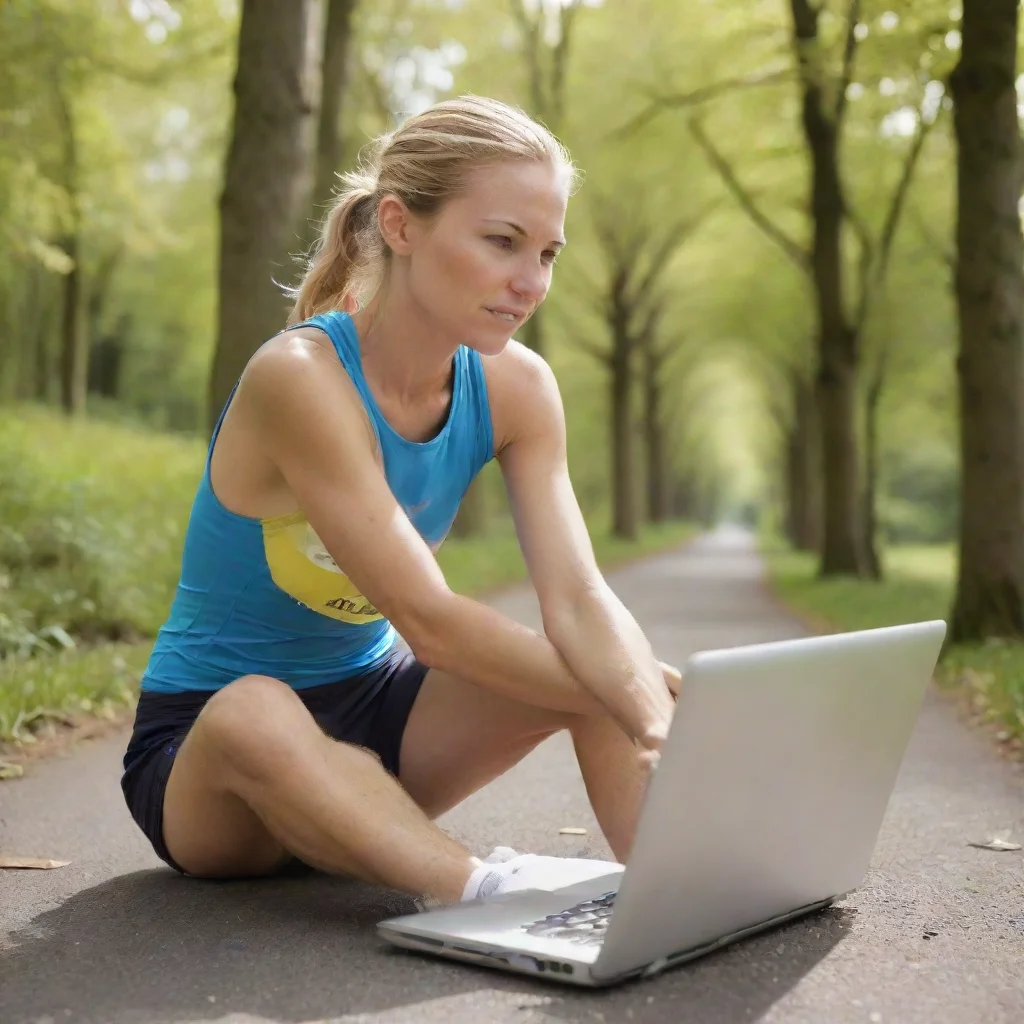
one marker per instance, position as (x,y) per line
(918,585)
(57,688)
(92,519)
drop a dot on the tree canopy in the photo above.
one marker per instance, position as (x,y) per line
(768,184)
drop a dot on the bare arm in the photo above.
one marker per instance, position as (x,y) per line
(311,424)
(590,627)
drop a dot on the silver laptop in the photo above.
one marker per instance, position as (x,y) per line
(767,804)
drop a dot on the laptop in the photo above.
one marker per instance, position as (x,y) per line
(766,806)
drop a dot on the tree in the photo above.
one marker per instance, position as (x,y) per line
(790,401)
(85,200)
(546,36)
(44,114)
(870,292)
(840,323)
(836,380)
(74,355)
(989,598)
(654,352)
(337,53)
(869,509)
(266,181)
(636,255)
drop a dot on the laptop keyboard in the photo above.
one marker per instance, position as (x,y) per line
(586,923)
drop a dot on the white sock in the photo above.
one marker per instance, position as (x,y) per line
(504,870)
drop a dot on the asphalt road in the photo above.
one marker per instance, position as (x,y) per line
(934,936)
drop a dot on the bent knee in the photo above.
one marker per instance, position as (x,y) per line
(254,723)
(252,702)
(249,692)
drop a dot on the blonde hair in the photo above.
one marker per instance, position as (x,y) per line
(424,162)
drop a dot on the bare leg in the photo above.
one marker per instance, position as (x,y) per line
(614,779)
(459,737)
(256,780)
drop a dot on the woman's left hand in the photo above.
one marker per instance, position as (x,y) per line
(673,678)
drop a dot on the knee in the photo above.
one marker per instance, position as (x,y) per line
(254,724)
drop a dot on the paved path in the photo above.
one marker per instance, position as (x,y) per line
(116,939)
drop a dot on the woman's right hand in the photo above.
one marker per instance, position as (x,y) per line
(650,744)
(673,678)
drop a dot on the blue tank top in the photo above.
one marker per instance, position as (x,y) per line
(264,595)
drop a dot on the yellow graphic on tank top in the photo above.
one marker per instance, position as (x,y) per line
(303,568)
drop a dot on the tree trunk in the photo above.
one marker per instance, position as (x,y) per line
(106,358)
(42,361)
(841,548)
(11,343)
(99,292)
(989,598)
(266,182)
(654,439)
(683,498)
(73,353)
(546,63)
(803,471)
(104,352)
(869,516)
(73,341)
(837,341)
(31,316)
(624,513)
(334,79)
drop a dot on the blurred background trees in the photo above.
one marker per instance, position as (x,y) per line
(792,293)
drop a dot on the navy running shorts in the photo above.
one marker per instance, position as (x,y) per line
(369,710)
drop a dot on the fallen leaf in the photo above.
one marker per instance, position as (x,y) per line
(572,831)
(39,863)
(11,771)
(996,844)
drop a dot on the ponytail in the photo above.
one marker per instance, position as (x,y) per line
(344,251)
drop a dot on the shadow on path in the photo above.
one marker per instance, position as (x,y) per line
(152,946)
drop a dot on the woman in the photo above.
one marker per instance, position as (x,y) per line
(280,717)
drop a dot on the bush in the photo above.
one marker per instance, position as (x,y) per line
(920,496)
(92,519)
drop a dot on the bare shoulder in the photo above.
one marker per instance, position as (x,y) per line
(523,394)
(518,368)
(297,376)
(289,359)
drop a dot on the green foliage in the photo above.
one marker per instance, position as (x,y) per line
(91,525)
(111,116)
(918,587)
(922,492)
(147,86)
(35,692)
